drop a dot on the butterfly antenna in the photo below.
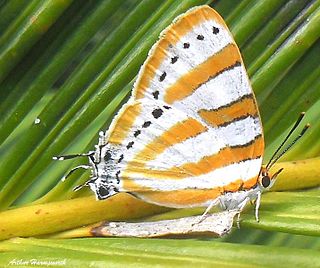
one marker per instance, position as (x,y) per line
(271,161)
(306,127)
(71,156)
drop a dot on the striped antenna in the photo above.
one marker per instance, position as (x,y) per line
(275,158)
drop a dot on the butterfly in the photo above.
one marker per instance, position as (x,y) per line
(191,134)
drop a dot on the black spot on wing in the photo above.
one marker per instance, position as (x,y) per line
(156,113)
(186,45)
(146,124)
(215,30)
(174,59)
(120,158)
(155,94)
(200,37)
(163,76)
(166,107)
(130,144)
(137,133)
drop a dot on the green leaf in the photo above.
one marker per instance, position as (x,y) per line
(295,212)
(15,43)
(119,252)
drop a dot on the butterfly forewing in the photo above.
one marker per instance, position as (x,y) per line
(191,130)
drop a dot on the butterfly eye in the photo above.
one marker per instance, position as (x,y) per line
(265,181)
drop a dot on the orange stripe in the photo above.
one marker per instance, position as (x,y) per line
(191,197)
(250,183)
(178,133)
(129,184)
(181,198)
(233,186)
(189,82)
(124,123)
(171,36)
(225,157)
(244,107)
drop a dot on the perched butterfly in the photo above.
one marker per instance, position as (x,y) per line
(191,134)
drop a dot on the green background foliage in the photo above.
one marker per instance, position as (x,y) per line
(71,64)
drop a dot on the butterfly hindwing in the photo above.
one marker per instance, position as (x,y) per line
(191,130)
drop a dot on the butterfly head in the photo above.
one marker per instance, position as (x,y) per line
(266,179)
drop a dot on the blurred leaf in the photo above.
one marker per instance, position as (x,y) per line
(119,252)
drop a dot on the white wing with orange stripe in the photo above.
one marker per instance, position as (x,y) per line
(191,130)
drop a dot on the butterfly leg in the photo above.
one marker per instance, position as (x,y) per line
(73,170)
(205,213)
(240,208)
(87,183)
(256,210)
